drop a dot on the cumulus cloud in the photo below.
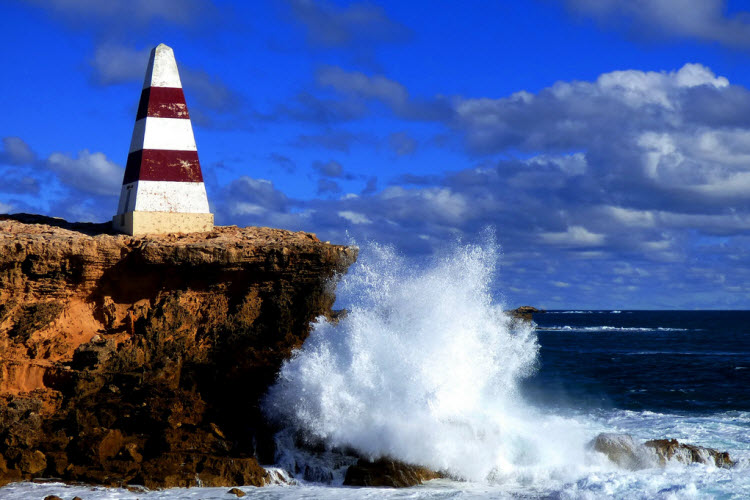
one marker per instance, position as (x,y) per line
(76,187)
(361,85)
(354,217)
(255,197)
(632,167)
(114,64)
(573,115)
(652,138)
(704,20)
(87,172)
(574,236)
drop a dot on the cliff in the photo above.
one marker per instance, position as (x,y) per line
(142,359)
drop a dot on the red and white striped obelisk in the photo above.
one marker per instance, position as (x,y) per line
(163,190)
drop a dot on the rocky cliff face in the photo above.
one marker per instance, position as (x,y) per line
(142,359)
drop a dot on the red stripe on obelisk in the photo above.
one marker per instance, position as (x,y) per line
(162,102)
(163,165)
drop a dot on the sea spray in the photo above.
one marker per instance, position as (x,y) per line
(425,369)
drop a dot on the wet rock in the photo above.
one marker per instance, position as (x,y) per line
(672,450)
(387,472)
(524,312)
(623,451)
(52,497)
(626,453)
(32,462)
(237,492)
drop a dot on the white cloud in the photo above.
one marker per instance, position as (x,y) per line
(435,204)
(632,217)
(364,86)
(701,20)
(245,208)
(354,217)
(572,164)
(710,164)
(89,172)
(574,236)
(115,64)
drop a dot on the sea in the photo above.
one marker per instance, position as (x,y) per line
(427,368)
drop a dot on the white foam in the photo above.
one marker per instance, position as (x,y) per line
(606,328)
(425,368)
(723,431)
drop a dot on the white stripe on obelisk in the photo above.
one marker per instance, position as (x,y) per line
(163,133)
(164,196)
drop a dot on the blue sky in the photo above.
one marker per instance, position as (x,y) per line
(607,142)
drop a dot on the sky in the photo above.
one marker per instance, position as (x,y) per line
(606,143)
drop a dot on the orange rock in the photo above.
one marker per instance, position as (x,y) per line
(121,357)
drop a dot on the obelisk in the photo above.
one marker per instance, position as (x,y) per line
(163,190)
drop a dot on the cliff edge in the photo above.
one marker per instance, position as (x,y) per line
(141,360)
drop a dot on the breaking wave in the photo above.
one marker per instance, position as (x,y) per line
(425,368)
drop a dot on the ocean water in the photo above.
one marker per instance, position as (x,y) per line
(427,368)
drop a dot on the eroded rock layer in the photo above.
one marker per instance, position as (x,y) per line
(142,359)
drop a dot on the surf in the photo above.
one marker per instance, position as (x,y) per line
(425,368)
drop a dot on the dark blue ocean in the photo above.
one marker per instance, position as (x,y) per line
(685,362)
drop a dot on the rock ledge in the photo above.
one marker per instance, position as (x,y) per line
(141,360)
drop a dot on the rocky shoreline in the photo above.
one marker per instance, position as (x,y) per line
(141,360)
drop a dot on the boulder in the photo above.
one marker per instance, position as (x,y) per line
(388,472)
(672,450)
(622,450)
(524,312)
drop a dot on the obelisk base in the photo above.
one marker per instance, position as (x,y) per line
(136,223)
